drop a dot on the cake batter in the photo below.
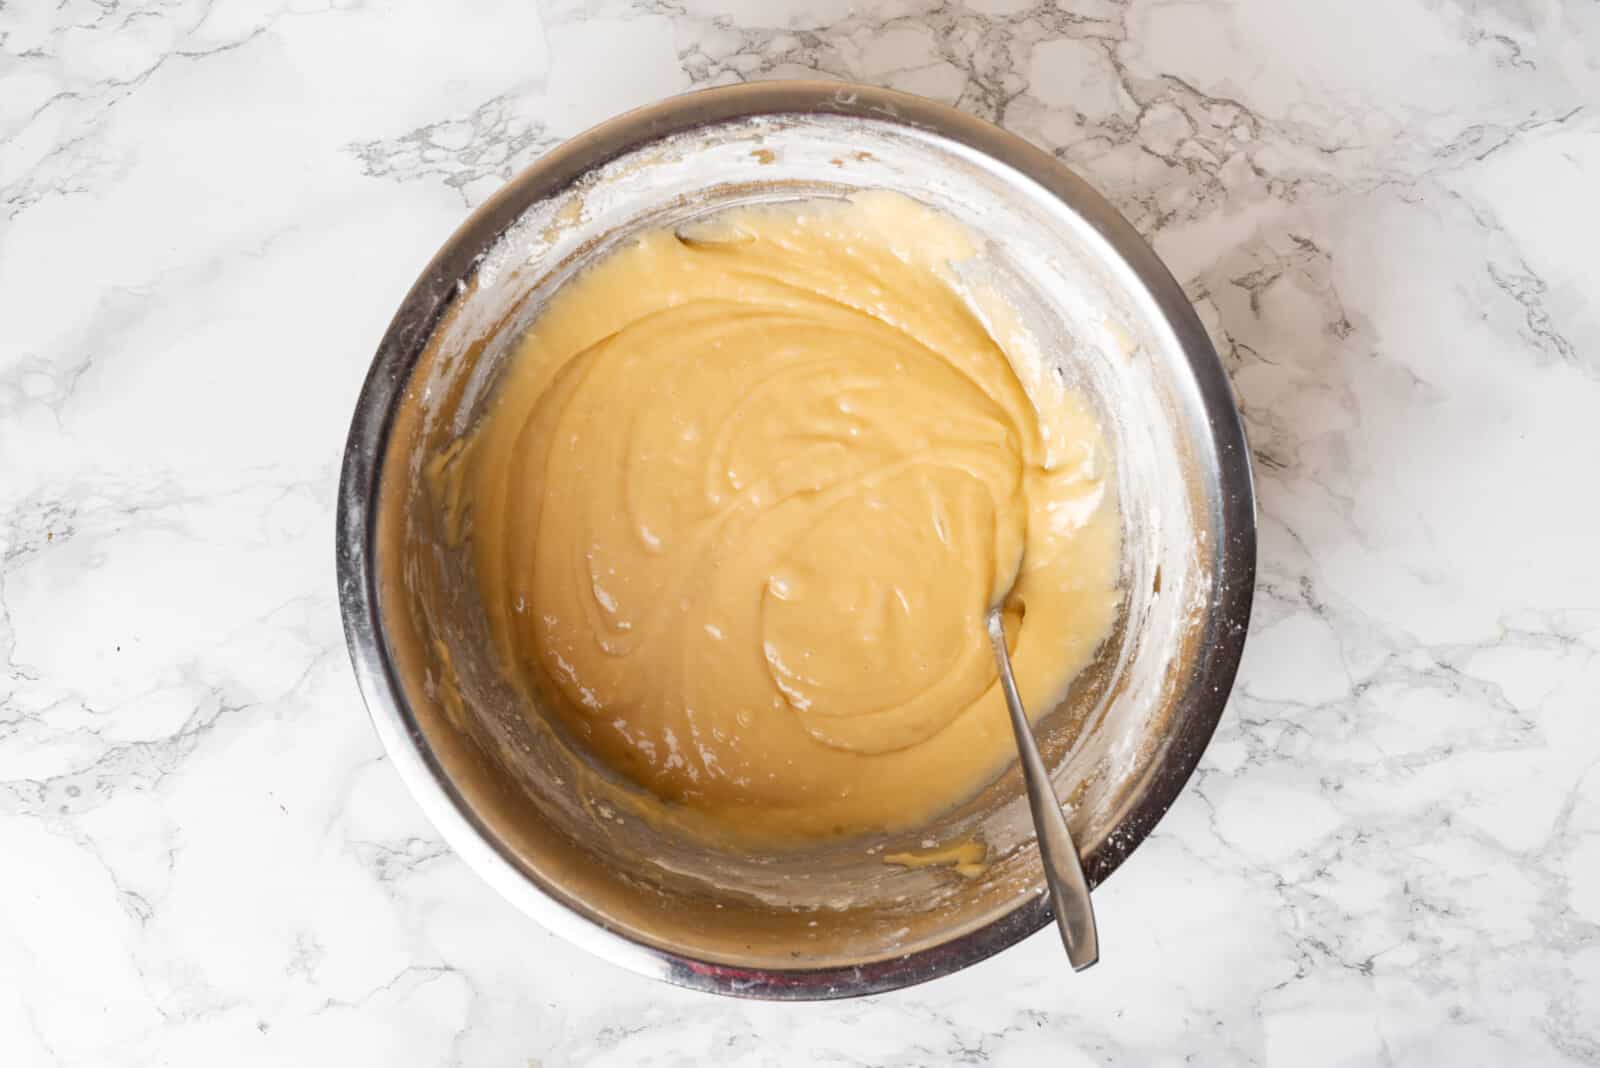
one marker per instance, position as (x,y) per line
(744,497)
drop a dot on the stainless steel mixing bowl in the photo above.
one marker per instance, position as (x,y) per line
(831,920)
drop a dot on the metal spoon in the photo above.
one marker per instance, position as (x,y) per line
(1063,872)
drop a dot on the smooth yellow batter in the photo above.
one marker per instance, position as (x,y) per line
(744,497)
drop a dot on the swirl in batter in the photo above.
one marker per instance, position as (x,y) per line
(745,496)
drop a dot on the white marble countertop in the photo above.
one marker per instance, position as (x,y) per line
(1386,212)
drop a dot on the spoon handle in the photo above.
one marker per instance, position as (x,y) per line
(1063,872)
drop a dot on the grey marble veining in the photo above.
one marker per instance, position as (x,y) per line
(1385,211)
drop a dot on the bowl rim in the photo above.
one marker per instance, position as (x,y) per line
(1233,554)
